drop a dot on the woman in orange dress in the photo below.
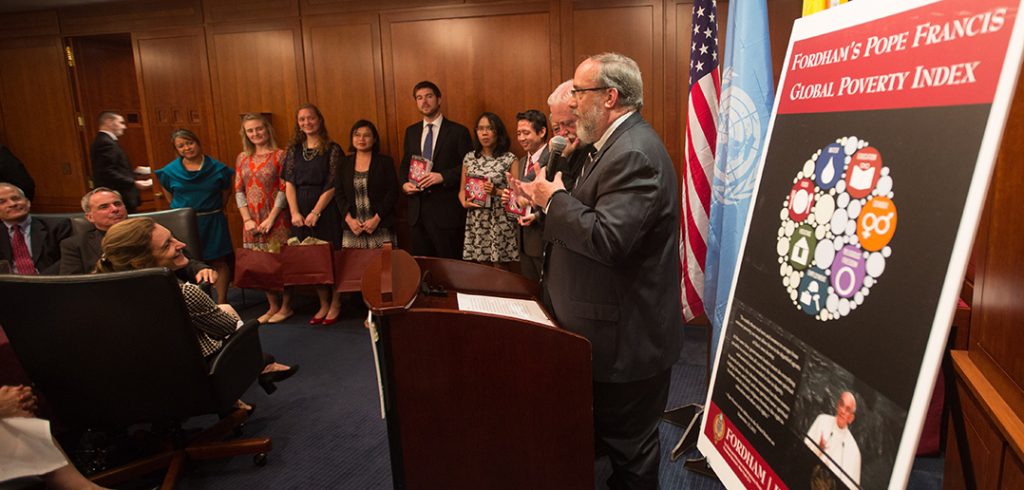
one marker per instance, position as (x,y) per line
(259,193)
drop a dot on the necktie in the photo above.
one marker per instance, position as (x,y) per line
(428,143)
(22,257)
(587,166)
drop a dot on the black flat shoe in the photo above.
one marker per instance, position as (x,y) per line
(267,380)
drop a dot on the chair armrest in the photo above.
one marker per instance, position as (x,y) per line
(238,363)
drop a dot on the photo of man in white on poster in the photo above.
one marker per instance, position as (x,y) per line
(830,436)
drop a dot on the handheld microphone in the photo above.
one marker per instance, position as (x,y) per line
(555,148)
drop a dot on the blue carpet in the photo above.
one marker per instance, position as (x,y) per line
(325,422)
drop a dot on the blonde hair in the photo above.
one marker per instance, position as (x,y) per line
(247,146)
(127,246)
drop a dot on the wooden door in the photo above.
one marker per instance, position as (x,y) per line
(104,77)
(174,83)
(39,129)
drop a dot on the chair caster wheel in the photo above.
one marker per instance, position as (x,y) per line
(260,459)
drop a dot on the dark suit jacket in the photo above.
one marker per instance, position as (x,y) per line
(382,187)
(111,168)
(79,254)
(570,166)
(532,238)
(438,205)
(45,237)
(613,271)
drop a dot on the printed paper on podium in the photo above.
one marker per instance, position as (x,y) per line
(522,309)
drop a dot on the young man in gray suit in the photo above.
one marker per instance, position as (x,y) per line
(613,270)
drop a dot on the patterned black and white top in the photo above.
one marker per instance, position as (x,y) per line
(364,212)
(491,235)
(213,325)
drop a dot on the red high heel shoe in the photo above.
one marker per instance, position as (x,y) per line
(316,321)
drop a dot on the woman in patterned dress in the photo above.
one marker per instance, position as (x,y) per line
(366,190)
(490,232)
(310,170)
(197,181)
(259,193)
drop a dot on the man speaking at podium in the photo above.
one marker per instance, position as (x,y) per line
(613,270)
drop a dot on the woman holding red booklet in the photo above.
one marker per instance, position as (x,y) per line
(490,232)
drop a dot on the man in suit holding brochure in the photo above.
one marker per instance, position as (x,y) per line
(612,274)
(437,220)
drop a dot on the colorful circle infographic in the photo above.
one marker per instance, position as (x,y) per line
(835,228)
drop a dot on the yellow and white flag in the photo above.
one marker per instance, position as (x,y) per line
(812,6)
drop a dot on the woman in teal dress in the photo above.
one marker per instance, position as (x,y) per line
(197,181)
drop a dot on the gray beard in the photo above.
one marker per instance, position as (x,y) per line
(586,124)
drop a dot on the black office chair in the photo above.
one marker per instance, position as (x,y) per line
(182,223)
(112,350)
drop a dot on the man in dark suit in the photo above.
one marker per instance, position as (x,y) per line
(437,221)
(613,271)
(532,134)
(30,245)
(104,208)
(110,166)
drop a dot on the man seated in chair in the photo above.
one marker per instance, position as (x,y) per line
(29,245)
(104,208)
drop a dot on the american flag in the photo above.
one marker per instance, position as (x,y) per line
(701,123)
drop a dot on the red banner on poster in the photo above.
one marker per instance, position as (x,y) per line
(943,54)
(744,460)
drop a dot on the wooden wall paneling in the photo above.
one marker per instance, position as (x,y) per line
(106,79)
(28,24)
(556,24)
(3,128)
(634,29)
(999,312)
(345,74)
(1013,472)
(494,58)
(130,16)
(983,441)
(42,131)
(105,74)
(565,39)
(781,15)
(174,85)
(320,7)
(254,67)
(218,11)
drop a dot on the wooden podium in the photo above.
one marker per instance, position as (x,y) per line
(475,400)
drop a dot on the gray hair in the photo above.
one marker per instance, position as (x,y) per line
(16,188)
(88,196)
(562,94)
(622,74)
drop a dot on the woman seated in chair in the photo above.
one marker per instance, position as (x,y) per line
(140,243)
